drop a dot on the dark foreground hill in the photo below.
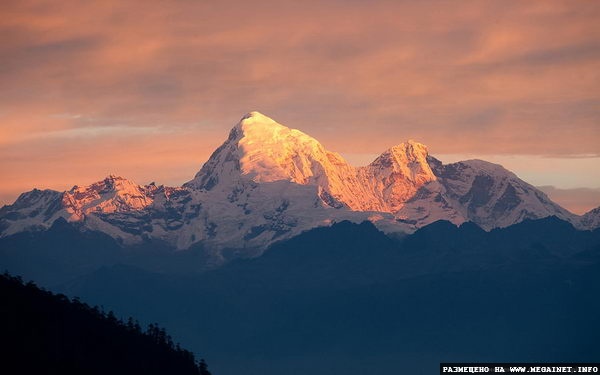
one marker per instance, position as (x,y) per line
(44,333)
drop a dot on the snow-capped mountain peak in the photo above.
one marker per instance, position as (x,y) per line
(397,174)
(113,194)
(261,150)
(492,196)
(271,152)
(408,159)
(255,117)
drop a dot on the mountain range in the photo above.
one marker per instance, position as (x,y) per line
(268,183)
(279,257)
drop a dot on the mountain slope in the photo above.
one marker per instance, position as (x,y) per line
(484,193)
(591,219)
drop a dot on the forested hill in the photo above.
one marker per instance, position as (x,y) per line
(44,333)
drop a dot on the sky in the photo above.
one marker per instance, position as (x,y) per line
(148,89)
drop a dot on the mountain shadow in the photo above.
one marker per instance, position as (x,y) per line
(347,299)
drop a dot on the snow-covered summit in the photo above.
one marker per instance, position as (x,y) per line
(269,151)
(408,159)
(397,174)
(261,150)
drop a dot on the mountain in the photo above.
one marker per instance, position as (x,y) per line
(591,219)
(267,183)
(260,150)
(51,334)
(484,193)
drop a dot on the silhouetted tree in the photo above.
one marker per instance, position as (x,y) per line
(203,367)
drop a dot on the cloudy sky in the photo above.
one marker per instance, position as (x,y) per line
(148,89)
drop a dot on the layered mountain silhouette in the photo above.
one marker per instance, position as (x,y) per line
(347,299)
(268,182)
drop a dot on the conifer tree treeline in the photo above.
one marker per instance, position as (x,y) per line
(42,332)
